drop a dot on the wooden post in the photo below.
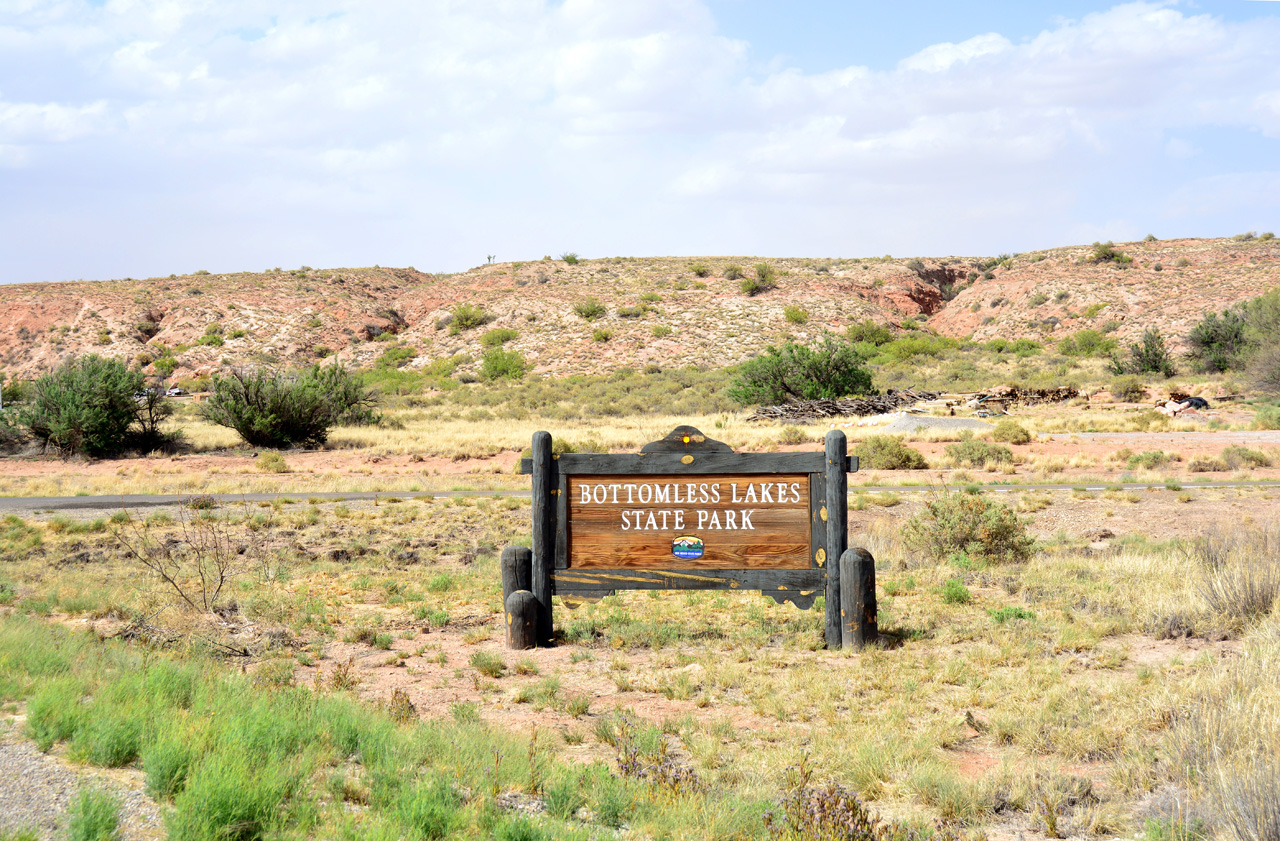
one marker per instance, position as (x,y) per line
(544,532)
(860,626)
(517,570)
(522,620)
(837,462)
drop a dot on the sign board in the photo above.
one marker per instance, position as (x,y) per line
(687,512)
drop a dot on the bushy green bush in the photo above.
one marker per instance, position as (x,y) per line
(93,815)
(274,409)
(1267,417)
(888,452)
(467,317)
(1086,343)
(870,332)
(1011,432)
(796,372)
(1128,389)
(589,308)
(396,357)
(94,406)
(1146,356)
(499,364)
(795,314)
(1218,342)
(957,522)
(1106,252)
(499,336)
(571,258)
(732,272)
(974,452)
(700,269)
(761,280)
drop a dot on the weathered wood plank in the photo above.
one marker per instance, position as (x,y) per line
(860,624)
(686,439)
(659,463)
(544,535)
(561,484)
(837,495)
(517,569)
(586,581)
(522,620)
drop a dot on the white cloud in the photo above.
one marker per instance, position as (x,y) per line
(611,126)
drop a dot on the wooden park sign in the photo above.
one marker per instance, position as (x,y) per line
(688,513)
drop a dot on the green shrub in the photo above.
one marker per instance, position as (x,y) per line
(601,334)
(796,372)
(888,452)
(165,366)
(916,344)
(589,308)
(499,364)
(794,314)
(979,527)
(732,272)
(1267,417)
(1150,459)
(93,815)
(104,337)
(108,739)
(1086,343)
(1182,263)
(974,452)
(792,435)
(762,280)
(167,762)
(571,258)
(1011,432)
(1128,389)
(1218,342)
(1146,356)
(1237,457)
(650,298)
(700,269)
(272,461)
(396,357)
(467,317)
(274,409)
(488,664)
(1038,299)
(870,332)
(87,405)
(498,336)
(661,331)
(1105,252)
(231,800)
(632,312)
(953,591)
(429,811)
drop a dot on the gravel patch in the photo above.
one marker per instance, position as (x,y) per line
(911,423)
(36,789)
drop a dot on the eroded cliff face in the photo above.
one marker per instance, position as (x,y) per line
(657,310)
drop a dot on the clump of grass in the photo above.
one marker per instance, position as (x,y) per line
(792,435)
(1267,417)
(601,334)
(888,452)
(589,308)
(499,336)
(957,522)
(974,452)
(488,664)
(1237,457)
(1011,432)
(953,591)
(1008,613)
(1151,460)
(272,461)
(795,314)
(733,272)
(761,280)
(94,815)
(661,331)
(1240,570)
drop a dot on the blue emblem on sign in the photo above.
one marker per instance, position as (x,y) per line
(687,547)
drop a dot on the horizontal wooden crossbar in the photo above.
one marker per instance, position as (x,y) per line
(569,581)
(650,464)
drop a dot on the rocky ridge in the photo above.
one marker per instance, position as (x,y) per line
(657,310)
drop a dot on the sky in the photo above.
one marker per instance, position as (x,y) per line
(141,138)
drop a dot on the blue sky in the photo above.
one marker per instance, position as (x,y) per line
(143,137)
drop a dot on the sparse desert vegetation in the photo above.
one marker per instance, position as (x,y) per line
(1077,600)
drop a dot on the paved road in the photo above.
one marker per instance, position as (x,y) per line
(14,504)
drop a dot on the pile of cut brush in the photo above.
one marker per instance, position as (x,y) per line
(810,410)
(1010,394)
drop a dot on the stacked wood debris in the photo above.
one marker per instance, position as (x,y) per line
(803,411)
(1011,394)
